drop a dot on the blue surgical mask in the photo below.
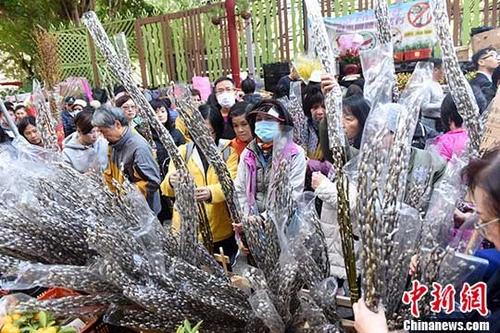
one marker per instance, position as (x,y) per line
(267,130)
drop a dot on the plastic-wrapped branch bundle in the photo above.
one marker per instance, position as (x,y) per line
(403,246)
(280,201)
(88,305)
(333,103)
(45,119)
(439,216)
(31,275)
(413,92)
(384,34)
(295,108)
(264,309)
(121,72)
(369,205)
(378,71)
(382,174)
(200,134)
(312,314)
(446,266)
(137,264)
(460,90)
(466,239)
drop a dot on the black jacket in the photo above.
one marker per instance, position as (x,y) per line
(493,300)
(485,85)
(161,153)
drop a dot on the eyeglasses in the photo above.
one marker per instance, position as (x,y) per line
(481,227)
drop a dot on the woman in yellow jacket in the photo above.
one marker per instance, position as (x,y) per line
(208,188)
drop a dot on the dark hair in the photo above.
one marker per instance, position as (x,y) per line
(205,110)
(100,94)
(4,137)
(438,63)
(450,113)
(495,77)
(159,103)
(222,79)
(313,97)
(25,122)
(248,86)
(281,90)
(20,106)
(122,100)
(217,121)
(239,109)
(215,118)
(485,173)
(195,92)
(264,106)
(118,89)
(479,54)
(212,101)
(354,90)
(83,121)
(359,108)
(9,106)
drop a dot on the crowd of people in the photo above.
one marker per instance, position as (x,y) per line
(108,136)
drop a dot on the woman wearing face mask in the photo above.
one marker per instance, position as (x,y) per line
(222,99)
(239,122)
(268,118)
(208,187)
(85,149)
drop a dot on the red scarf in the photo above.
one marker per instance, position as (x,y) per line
(238,145)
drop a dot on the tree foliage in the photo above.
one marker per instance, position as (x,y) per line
(19,18)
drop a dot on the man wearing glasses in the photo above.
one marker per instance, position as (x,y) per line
(485,62)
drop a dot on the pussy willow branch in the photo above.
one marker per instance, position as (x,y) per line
(101,39)
(459,87)
(370,171)
(384,33)
(45,120)
(199,132)
(333,102)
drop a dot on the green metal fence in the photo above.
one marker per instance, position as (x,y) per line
(78,56)
(187,43)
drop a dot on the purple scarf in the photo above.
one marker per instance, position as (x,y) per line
(251,181)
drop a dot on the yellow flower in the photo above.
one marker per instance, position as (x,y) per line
(10,328)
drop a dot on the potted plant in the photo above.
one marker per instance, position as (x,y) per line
(187,328)
(399,54)
(243,7)
(418,51)
(350,62)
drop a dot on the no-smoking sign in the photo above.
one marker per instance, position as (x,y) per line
(420,15)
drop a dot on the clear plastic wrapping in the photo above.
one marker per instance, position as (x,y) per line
(421,76)
(264,309)
(295,108)
(378,71)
